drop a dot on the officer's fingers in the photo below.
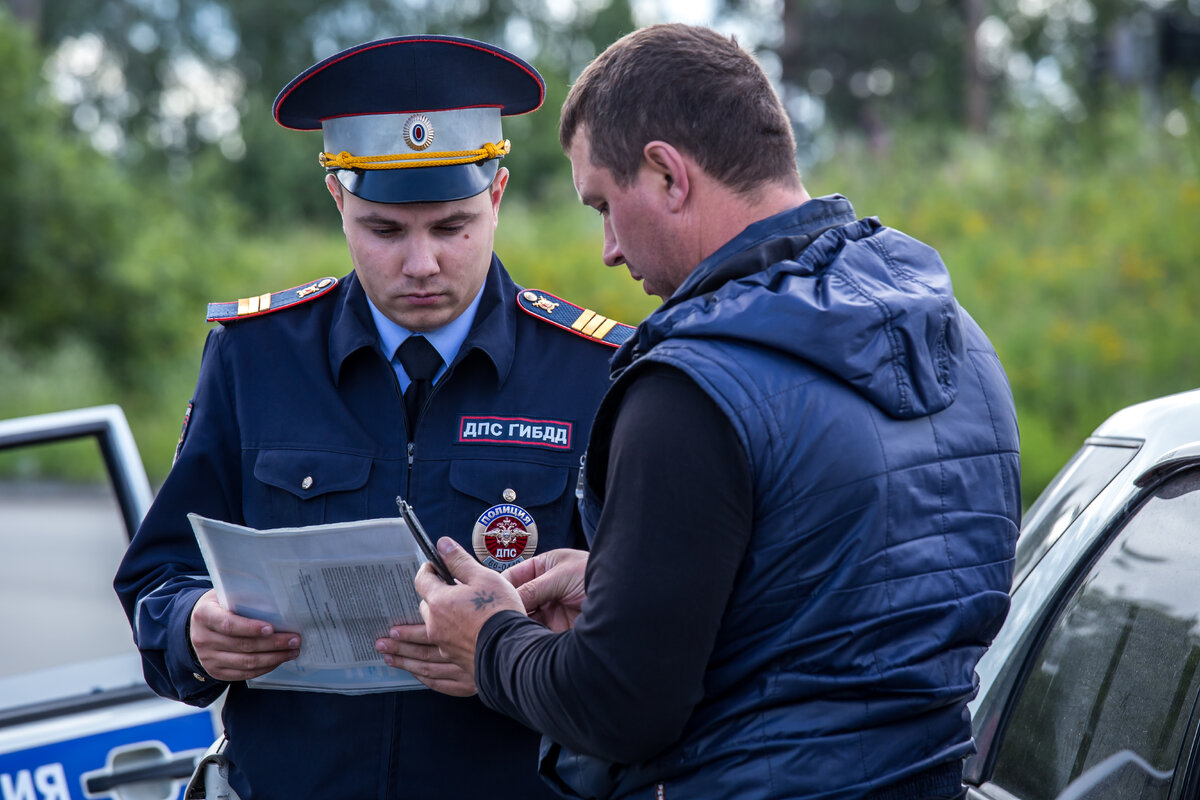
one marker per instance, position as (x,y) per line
(410,641)
(275,643)
(450,686)
(220,631)
(209,614)
(233,659)
(393,648)
(416,634)
(442,677)
(244,666)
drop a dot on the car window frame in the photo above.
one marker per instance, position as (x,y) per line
(108,426)
(1035,518)
(1148,482)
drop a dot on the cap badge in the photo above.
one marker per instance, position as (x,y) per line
(504,535)
(418,132)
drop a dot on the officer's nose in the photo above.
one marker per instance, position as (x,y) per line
(420,260)
(612,254)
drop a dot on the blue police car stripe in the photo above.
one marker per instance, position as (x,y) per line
(266,303)
(62,768)
(570,317)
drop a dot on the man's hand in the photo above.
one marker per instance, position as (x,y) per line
(408,648)
(454,614)
(551,586)
(235,648)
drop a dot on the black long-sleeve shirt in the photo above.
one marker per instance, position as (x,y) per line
(675,524)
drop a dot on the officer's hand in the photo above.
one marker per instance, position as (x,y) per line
(408,648)
(235,648)
(551,586)
(454,614)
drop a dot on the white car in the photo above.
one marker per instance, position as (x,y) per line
(76,718)
(1090,689)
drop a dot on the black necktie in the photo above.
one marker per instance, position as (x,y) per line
(421,361)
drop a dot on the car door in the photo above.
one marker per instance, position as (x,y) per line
(76,718)
(1104,707)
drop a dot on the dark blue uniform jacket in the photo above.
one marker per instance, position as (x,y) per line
(305,393)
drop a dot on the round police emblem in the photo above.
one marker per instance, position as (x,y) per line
(418,132)
(504,535)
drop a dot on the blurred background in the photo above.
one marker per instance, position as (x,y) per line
(1049,149)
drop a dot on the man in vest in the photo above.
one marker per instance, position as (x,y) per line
(801,491)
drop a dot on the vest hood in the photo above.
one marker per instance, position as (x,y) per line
(868,304)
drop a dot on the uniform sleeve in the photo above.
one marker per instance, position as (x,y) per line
(162,574)
(676,521)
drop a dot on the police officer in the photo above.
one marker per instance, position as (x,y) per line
(425,372)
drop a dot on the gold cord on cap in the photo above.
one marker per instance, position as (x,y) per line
(449,158)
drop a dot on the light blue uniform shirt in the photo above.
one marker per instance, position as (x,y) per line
(446,340)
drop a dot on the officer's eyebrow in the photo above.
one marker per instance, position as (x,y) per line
(377,220)
(459,218)
(380,220)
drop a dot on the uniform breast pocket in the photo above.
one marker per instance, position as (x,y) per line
(512,509)
(306,487)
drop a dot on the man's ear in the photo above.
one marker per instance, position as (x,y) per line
(497,192)
(335,189)
(671,169)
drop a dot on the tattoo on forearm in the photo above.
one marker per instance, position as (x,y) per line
(482,599)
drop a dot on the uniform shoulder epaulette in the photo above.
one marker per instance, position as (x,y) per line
(248,307)
(570,317)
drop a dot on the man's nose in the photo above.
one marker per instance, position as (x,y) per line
(612,254)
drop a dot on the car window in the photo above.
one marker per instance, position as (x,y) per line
(1105,706)
(1076,485)
(60,543)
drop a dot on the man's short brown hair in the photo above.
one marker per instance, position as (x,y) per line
(692,88)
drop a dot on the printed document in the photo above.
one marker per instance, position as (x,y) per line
(340,586)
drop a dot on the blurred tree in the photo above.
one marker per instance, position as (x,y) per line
(864,65)
(75,233)
(61,209)
(870,66)
(184,87)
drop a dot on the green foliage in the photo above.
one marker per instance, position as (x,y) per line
(915,50)
(1073,245)
(106,265)
(260,46)
(1083,273)
(60,209)
(556,248)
